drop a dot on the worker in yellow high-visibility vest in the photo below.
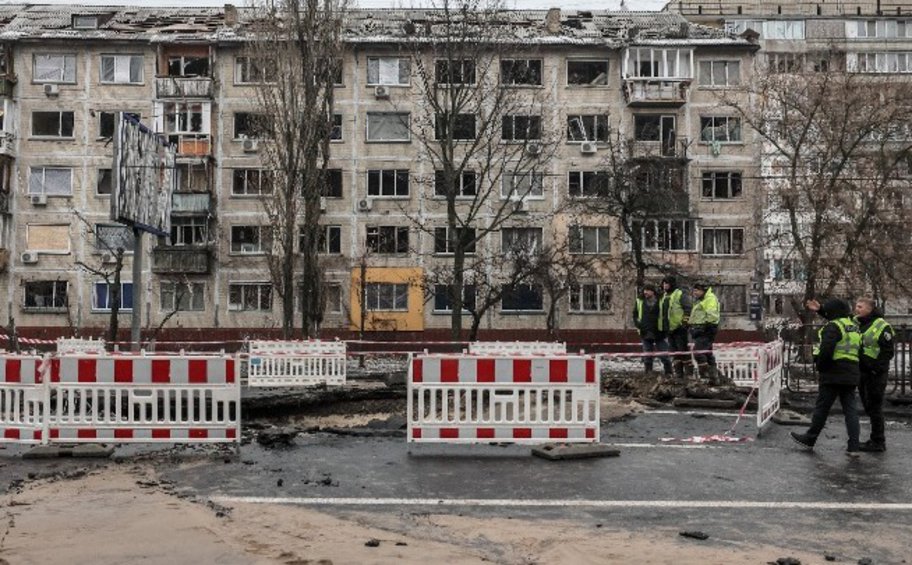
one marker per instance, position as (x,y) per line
(704,325)
(649,322)
(674,311)
(873,365)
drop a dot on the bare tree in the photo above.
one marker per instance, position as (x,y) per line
(486,141)
(295,55)
(114,247)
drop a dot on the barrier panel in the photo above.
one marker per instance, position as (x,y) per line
(67,345)
(296,363)
(23,398)
(517,348)
(770,382)
(740,365)
(519,399)
(143,398)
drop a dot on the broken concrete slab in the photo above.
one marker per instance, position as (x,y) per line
(704,403)
(561,451)
(90,450)
(791,418)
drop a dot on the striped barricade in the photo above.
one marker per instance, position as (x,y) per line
(520,399)
(517,348)
(144,398)
(23,398)
(296,363)
(68,345)
(770,382)
(739,364)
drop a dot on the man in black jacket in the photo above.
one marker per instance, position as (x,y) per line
(874,364)
(647,317)
(836,357)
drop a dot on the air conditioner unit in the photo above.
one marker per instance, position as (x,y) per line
(51,90)
(322,203)
(364,204)
(107,258)
(588,148)
(381,92)
(534,149)
(39,200)
(251,145)
(29,257)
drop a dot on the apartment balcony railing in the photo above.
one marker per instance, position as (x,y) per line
(6,143)
(183,87)
(171,260)
(191,145)
(190,203)
(656,92)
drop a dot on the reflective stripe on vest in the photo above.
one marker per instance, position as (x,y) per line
(849,344)
(639,313)
(675,310)
(870,340)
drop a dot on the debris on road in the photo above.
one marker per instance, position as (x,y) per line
(561,451)
(276,437)
(694,534)
(786,561)
(372,543)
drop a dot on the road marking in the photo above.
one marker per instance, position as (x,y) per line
(545,503)
(734,412)
(672,445)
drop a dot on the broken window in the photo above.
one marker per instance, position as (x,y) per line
(184,117)
(722,129)
(587,73)
(590,240)
(522,297)
(335,134)
(249,125)
(386,296)
(721,184)
(463,184)
(106,121)
(588,128)
(102,298)
(52,124)
(388,182)
(46,294)
(332,183)
(520,128)
(182,297)
(590,298)
(52,181)
(189,230)
(250,297)
(647,62)
(389,71)
(251,182)
(254,240)
(254,70)
(522,185)
(387,239)
(103,182)
(455,72)
(110,238)
(525,72)
(585,184)
(188,66)
(388,126)
(460,127)
(122,69)
(54,68)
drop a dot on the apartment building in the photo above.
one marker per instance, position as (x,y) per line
(67,70)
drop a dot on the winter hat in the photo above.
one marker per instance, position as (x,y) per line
(701,285)
(649,286)
(835,308)
(670,280)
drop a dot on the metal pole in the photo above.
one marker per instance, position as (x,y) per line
(138,294)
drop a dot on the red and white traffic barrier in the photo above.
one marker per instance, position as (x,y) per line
(517,348)
(521,399)
(23,397)
(296,363)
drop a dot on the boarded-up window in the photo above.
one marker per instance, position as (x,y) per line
(48,238)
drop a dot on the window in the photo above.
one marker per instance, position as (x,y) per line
(106,121)
(332,298)
(103,182)
(182,297)
(52,181)
(444,245)
(251,182)
(871,63)
(442,301)
(85,22)
(188,66)
(189,230)
(388,71)
(654,127)
(732,298)
(721,129)
(332,184)
(387,239)
(102,299)
(783,29)
(519,128)
(249,297)
(122,69)
(590,298)
(464,184)
(48,238)
(388,182)
(787,270)
(249,125)
(668,235)
(54,67)
(740,26)
(522,297)
(720,73)
(587,128)
(587,73)
(251,239)
(386,296)
(388,126)
(46,295)
(330,240)
(648,62)
(586,184)
(526,72)
(520,186)
(721,184)
(882,28)
(110,238)
(455,72)
(723,241)
(520,241)
(460,127)
(52,124)
(185,117)
(785,63)
(589,240)
(335,134)
(254,70)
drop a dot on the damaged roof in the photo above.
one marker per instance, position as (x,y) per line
(229,24)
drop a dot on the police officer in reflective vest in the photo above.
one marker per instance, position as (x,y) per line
(674,308)
(704,324)
(836,357)
(647,317)
(874,364)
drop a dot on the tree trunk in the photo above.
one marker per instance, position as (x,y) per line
(114,324)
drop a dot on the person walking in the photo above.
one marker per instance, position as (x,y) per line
(873,366)
(649,324)
(704,325)
(836,358)
(674,307)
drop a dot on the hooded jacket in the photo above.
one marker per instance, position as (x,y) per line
(839,371)
(881,365)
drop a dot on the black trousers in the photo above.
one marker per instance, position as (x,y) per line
(872,388)
(826,396)
(677,342)
(704,337)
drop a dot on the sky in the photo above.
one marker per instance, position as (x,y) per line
(519,4)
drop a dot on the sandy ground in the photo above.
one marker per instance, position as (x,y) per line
(106,517)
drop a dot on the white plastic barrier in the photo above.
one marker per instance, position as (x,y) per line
(770,381)
(23,398)
(144,398)
(741,365)
(521,399)
(68,345)
(296,363)
(517,348)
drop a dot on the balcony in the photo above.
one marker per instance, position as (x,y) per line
(671,148)
(180,260)
(4,260)
(183,87)
(5,198)
(190,203)
(6,85)
(656,92)
(6,144)
(192,146)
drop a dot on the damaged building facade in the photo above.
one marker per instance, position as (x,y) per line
(654,78)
